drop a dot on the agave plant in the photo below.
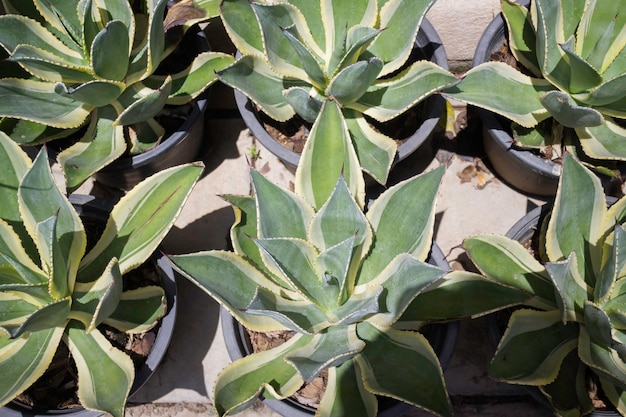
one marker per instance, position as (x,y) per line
(573,336)
(575,59)
(52,291)
(349,285)
(337,62)
(90,69)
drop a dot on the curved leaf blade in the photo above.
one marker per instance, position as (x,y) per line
(105,373)
(24,360)
(140,220)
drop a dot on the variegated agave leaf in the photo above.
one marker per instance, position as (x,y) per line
(90,71)
(575,51)
(576,326)
(329,62)
(51,292)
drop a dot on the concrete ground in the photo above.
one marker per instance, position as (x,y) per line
(468,203)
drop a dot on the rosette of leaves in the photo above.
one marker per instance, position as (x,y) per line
(52,291)
(572,337)
(335,62)
(88,68)
(353,288)
(575,59)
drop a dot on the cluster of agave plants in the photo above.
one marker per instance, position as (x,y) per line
(350,279)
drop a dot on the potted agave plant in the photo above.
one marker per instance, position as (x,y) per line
(95,72)
(574,277)
(64,285)
(352,287)
(564,90)
(360,54)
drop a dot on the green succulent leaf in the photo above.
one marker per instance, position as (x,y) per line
(339,218)
(605,141)
(402,219)
(237,16)
(56,220)
(602,359)
(101,144)
(37,101)
(140,221)
(598,324)
(15,163)
(568,113)
(569,393)
(474,296)
(201,74)
(345,393)
(244,227)
(550,35)
(95,93)
(242,276)
(16,29)
(274,205)
(253,77)
(239,385)
(328,154)
(521,32)
(570,288)
(95,301)
(14,310)
(336,268)
(338,18)
(421,381)
(306,102)
(614,266)
(551,340)
(510,85)
(615,394)
(400,20)
(402,280)
(508,262)
(389,98)
(106,374)
(280,53)
(293,260)
(583,77)
(325,350)
(577,224)
(606,94)
(110,51)
(353,81)
(147,105)
(309,62)
(299,315)
(138,310)
(49,67)
(24,360)
(376,152)
(357,40)
(600,36)
(54,314)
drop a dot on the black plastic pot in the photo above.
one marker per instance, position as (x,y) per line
(428,46)
(179,147)
(91,209)
(442,337)
(520,168)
